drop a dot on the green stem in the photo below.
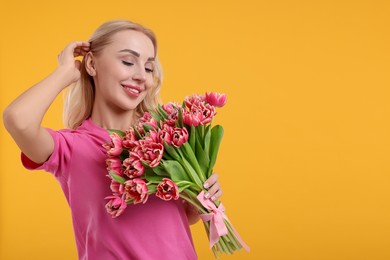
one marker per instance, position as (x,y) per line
(229,245)
(223,245)
(233,237)
(214,248)
(190,200)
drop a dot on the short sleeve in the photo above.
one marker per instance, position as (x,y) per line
(59,160)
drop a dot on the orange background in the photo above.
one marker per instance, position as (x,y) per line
(304,163)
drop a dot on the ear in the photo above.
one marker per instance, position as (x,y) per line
(90,64)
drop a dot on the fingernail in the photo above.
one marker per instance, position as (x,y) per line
(206,185)
(207,195)
(213,198)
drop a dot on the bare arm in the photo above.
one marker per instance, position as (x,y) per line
(23,117)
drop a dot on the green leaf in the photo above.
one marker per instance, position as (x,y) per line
(152,188)
(118,178)
(152,177)
(180,119)
(118,132)
(155,115)
(160,170)
(192,173)
(207,137)
(199,133)
(192,138)
(196,161)
(147,128)
(139,136)
(162,112)
(171,151)
(175,170)
(202,157)
(216,137)
(184,187)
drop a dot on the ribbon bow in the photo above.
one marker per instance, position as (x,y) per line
(216,217)
(217,226)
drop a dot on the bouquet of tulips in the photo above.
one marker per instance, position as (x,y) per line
(171,152)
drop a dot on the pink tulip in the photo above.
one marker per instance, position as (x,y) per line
(114,148)
(171,108)
(114,165)
(130,139)
(117,188)
(207,112)
(167,190)
(165,133)
(136,190)
(115,206)
(191,118)
(179,136)
(194,100)
(199,114)
(133,165)
(149,152)
(152,136)
(147,119)
(216,99)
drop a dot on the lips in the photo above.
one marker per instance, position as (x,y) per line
(133,91)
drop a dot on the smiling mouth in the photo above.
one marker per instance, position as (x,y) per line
(132,90)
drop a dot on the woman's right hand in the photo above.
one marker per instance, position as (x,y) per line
(33,139)
(66,59)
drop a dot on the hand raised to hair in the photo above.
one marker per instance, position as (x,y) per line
(66,59)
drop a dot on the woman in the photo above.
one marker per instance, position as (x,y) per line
(118,79)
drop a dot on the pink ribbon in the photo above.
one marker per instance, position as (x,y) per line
(216,218)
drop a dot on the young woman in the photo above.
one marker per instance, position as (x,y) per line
(118,79)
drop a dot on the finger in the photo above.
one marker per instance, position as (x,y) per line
(212,191)
(217,195)
(210,181)
(79,52)
(77,64)
(71,47)
(79,43)
(82,48)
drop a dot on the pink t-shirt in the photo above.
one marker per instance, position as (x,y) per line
(155,230)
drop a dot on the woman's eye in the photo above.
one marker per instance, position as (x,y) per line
(149,70)
(127,63)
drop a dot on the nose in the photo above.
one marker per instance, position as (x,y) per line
(139,74)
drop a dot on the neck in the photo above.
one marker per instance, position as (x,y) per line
(120,121)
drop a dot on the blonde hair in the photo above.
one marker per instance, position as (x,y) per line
(80,96)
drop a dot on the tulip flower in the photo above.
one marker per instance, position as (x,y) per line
(167,190)
(179,137)
(216,99)
(134,167)
(115,206)
(114,148)
(136,190)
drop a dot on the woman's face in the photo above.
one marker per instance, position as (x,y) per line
(124,71)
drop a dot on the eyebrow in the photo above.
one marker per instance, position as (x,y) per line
(135,54)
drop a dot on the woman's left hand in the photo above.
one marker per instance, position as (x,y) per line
(213,187)
(214,192)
